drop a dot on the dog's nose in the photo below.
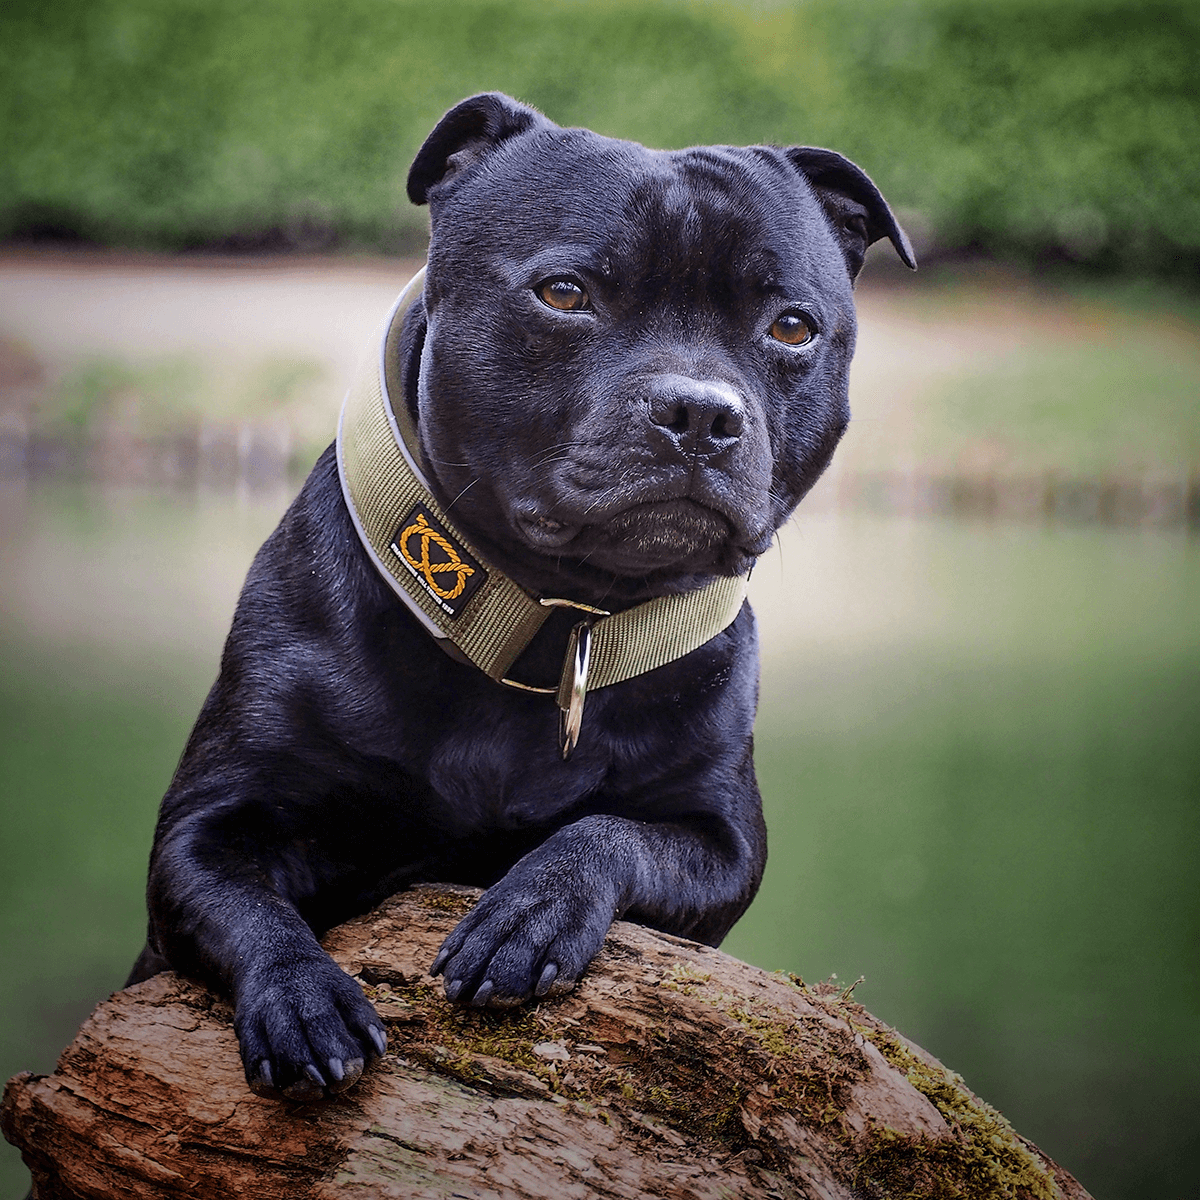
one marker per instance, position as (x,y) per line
(699,416)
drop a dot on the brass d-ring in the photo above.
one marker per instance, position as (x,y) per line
(570,716)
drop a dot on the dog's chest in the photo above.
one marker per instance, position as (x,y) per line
(502,769)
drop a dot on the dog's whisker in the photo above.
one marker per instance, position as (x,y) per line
(462,493)
(564,457)
(561,448)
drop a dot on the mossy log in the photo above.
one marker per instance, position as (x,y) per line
(674,1070)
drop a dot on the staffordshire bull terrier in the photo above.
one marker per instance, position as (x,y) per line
(500,636)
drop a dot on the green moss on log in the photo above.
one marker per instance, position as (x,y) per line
(986,1157)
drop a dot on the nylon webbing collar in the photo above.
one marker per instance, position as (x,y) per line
(455,593)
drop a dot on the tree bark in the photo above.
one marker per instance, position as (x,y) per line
(673,1071)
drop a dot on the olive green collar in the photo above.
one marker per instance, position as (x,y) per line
(458,596)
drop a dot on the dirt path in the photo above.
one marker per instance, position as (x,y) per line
(65,306)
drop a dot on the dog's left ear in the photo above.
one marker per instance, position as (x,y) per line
(854,205)
(470,130)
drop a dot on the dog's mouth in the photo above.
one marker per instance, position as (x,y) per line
(643,537)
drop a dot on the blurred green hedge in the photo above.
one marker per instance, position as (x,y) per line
(1033,130)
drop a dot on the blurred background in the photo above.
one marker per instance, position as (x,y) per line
(979,739)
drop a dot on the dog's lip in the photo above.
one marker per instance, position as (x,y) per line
(544,532)
(756,545)
(655,534)
(658,530)
(665,506)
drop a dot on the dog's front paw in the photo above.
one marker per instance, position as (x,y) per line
(305,1029)
(523,940)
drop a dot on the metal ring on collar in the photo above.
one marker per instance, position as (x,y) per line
(579,654)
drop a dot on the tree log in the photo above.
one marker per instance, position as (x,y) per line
(673,1070)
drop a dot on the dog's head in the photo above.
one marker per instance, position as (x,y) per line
(630,364)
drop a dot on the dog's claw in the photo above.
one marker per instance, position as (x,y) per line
(546,980)
(263,1083)
(345,1074)
(483,994)
(379,1040)
(453,987)
(439,962)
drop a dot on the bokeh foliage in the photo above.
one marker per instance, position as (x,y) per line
(1032,130)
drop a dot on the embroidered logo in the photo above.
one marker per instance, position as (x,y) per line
(443,568)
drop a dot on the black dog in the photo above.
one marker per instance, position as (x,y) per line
(626,368)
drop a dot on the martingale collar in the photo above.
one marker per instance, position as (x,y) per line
(475,611)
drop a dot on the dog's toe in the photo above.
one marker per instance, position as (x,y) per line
(310,1086)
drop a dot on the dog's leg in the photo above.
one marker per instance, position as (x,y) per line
(304,1026)
(693,872)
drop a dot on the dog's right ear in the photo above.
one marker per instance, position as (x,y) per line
(470,130)
(857,211)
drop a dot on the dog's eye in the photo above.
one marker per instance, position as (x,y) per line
(793,329)
(564,294)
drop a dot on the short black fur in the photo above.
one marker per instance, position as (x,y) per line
(640,444)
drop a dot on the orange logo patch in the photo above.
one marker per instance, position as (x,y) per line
(444,568)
